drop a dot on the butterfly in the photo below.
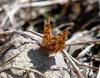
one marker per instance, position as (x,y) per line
(52,43)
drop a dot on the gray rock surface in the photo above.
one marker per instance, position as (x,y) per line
(24,59)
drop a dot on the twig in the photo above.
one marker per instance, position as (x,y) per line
(86,50)
(36,33)
(29,36)
(11,58)
(4,21)
(74,65)
(77,36)
(43,3)
(83,42)
(93,29)
(1,9)
(98,75)
(94,68)
(24,34)
(17,6)
(32,70)
(10,15)
(3,51)
(65,24)
(4,69)
(88,23)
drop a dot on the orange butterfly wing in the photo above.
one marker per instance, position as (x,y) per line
(46,33)
(60,41)
(51,43)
